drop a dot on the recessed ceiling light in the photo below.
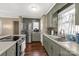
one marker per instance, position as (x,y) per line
(34,8)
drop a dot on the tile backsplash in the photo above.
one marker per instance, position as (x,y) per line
(76,28)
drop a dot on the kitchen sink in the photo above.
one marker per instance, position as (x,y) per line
(53,36)
(61,39)
(57,38)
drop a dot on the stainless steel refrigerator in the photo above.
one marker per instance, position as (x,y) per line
(29,32)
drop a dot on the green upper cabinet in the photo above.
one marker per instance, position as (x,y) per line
(52,15)
(49,19)
(77,14)
(55,21)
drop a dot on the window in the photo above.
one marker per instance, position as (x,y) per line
(35,25)
(66,20)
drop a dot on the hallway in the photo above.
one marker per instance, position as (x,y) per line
(35,49)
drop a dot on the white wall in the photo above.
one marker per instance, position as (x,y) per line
(43,26)
(7,25)
(20,24)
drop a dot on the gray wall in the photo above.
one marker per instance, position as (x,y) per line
(26,21)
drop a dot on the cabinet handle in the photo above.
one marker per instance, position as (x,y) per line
(73,55)
(59,54)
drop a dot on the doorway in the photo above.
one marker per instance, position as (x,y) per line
(29,28)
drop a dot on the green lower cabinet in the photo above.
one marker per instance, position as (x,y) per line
(64,52)
(10,52)
(4,54)
(51,48)
(45,43)
(48,47)
(54,49)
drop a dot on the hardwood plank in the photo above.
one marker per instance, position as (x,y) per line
(35,49)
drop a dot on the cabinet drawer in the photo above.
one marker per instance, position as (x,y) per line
(11,51)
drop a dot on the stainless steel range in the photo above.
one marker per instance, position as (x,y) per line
(19,46)
(19,40)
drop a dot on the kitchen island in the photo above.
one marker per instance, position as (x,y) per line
(60,48)
(8,48)
(10,45)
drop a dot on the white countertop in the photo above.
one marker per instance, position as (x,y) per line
(4,46)
(71,46)
(2,36)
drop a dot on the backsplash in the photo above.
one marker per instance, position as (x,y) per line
(76,28)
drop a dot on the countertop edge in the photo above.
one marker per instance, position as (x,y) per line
(1,52)
(72,52)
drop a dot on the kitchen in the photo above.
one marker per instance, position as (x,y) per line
(42,29)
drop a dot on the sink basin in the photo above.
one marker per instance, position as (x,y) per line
(57,38)
(53,37)
(61,39)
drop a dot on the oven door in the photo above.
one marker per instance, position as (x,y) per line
(19,50)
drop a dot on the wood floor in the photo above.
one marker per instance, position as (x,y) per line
(35,49)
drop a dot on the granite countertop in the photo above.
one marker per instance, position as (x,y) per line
(71,46)
(2,36)
(4,46)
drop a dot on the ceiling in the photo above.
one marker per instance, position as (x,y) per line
(24,9)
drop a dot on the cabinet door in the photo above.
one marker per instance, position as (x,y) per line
(4,54)
(48,46)
(43,41)
(64,52)
(35,36)
(54,49)
(46,43)
(11,51)
(77,14)
(57,50)
(55,20)
(51,47)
